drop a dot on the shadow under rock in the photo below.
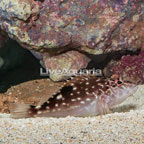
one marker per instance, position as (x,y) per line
(100,61)
(27,69)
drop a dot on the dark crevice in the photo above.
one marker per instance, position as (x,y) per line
(100,61)
(40,0)
(20,66)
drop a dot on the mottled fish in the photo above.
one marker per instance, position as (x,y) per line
(83,95)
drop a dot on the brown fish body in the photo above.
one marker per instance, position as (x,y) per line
(83,95)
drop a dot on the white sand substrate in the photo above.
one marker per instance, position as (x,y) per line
(124,126)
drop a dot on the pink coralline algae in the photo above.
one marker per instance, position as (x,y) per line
(97,26)
(54,27)
(130,68)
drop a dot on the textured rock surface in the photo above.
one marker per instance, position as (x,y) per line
(130,68)
(65,64)
(95,25)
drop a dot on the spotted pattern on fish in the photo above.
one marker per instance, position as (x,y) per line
(83,95)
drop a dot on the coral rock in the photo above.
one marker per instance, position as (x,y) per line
(56,26)
(97,26)
(65,64)
(130,68)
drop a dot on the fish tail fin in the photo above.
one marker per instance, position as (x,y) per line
(19,110)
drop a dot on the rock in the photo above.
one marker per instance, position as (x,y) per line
(95,26)
(64,65)
(130,68)
(13,14)
(51,27)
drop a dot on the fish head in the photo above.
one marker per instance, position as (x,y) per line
(118,91)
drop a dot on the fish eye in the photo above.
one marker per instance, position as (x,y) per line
(107,87)
(119,82)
